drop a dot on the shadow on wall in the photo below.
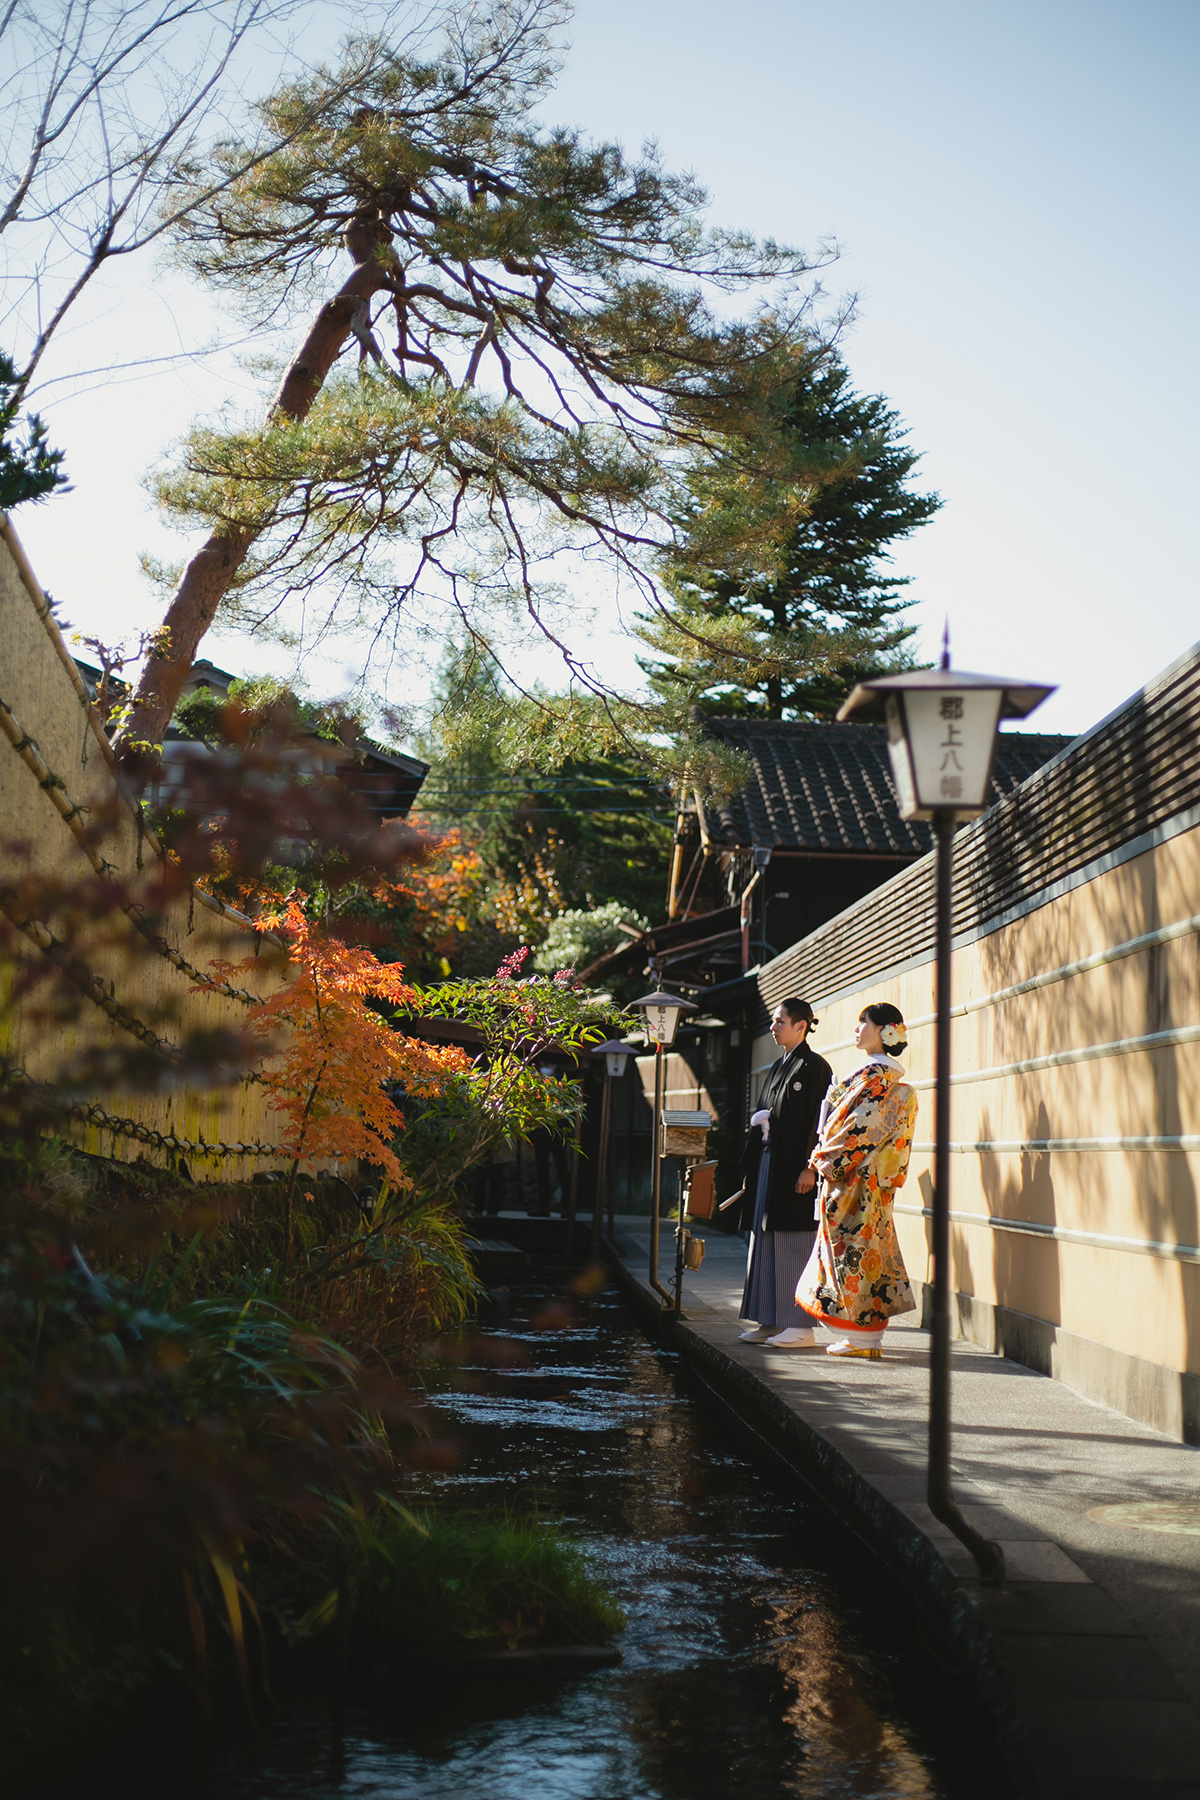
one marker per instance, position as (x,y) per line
(1155,991)
(1167,1200)
(1026,1270)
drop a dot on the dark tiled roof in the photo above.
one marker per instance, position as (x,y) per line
(828,787)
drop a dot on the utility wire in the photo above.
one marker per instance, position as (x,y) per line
(593,815)
(550,785)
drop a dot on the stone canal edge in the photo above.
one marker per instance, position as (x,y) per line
(1082,1701)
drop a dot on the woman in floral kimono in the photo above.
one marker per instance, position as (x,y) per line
(855,1279)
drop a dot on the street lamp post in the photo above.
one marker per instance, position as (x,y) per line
(661,1012)
(762,860)
(942,726)
(616,1055)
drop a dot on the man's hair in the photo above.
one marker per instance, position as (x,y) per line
(800,1013)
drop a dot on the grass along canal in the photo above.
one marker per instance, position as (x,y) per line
(766,1656)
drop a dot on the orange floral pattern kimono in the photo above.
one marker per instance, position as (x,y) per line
(856,1275)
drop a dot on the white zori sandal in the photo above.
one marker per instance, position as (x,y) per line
(796,1337)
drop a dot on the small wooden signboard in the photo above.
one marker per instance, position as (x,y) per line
(702,1190)
(684,1133)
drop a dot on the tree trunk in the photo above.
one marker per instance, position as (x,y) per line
(210,573)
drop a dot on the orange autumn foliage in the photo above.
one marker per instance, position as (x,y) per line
(446,892)
(327,1079)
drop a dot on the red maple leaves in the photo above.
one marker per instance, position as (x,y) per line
(328,1077)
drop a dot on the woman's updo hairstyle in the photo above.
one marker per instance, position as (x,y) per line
(800,1013)
(881,1013)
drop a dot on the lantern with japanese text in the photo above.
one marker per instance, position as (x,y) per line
(942,734)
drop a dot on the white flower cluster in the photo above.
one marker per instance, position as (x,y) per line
(892,1035)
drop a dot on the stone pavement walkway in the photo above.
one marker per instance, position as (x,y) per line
(1092,1648)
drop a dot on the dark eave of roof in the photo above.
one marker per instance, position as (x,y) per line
(677,935)
(827,788)
(387,780)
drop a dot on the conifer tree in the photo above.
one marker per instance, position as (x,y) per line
(29,469)
(557,363)
(832,574)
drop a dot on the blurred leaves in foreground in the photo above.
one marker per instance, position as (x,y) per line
(210,1391)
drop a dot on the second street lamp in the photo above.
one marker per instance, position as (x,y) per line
(616,1055)
(942,744)
(661,1013)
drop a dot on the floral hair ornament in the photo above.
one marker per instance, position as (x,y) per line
(892,1036)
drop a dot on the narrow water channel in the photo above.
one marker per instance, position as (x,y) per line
(767,1656)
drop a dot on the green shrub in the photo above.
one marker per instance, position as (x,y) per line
(458,1581)
(577,937)
(384,1282)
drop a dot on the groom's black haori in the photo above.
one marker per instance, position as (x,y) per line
(793,1092)
(782,1223)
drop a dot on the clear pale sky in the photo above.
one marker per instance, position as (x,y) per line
(1014,187)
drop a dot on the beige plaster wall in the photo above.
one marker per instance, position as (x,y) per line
(37,686)
(1142,1305)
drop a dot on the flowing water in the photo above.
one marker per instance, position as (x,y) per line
(767,1655)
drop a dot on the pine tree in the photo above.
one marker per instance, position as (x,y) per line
(556,365)
(29,469)
(832,575)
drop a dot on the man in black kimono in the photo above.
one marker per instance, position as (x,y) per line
(780,1189)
